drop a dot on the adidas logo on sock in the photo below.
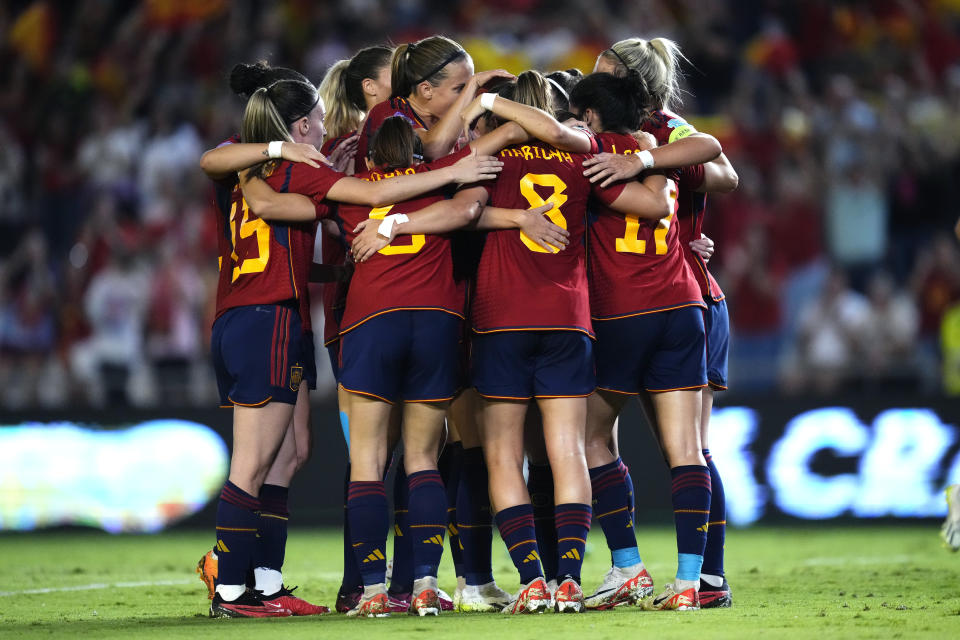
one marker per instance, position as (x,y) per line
(531,557)
(396,530)
(373,557)
(704,527)
(222,547)
(434,540)
(573,554)
(452,529)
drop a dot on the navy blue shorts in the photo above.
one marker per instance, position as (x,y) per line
(409,355)
(661,351)
(258,355)
(717,324)
(519,365)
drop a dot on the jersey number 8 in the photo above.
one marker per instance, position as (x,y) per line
(557,198)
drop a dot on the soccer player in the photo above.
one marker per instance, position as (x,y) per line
(657,61)
(297,105)
(533,340)
(294,450)
(350,89)
(431,81)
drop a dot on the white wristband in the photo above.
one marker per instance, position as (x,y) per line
(487,99)
(275,149)
(386,227)
(646,158)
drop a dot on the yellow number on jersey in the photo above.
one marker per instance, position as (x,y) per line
(631,242)
(557,198)
(416,241)
(247,228)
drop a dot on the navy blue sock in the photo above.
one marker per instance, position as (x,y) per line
(540,486)
(573,525)
(716,531)
(428,521)
(237,525)
(401,579)
(628,483)
(473,518)
(367,513)
(517,531)
(691,508)
(272,543)
(351,570)
(612,509)
(449,465)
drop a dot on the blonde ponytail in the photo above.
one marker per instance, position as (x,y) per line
(657,61)
(342,116)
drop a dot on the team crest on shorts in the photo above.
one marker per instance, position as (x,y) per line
(296,377)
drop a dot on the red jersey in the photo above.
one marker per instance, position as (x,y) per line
(519,285)
(265,262)
(412,272)
(668,127)
(375,118)
(333,250)
(636,265)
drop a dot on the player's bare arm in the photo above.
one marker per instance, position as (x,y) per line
(536,122)
(270,205)
(650,198)
(471,168)
(219,163)
(696,148)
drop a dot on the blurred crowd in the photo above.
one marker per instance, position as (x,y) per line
(835,252)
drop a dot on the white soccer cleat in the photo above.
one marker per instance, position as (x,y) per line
(950,531)
(628,585)
(484,598)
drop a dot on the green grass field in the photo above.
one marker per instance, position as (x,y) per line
(862,582)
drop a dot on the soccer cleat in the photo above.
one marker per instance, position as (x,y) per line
(533,598)
(446,602)
(297,606)
(399,602)
(686,600)
(207,568)
(348,600)
(619,587)
(715,597)
(425,603)
(248,605)
(482,598)
(568,597)
(376,605)
(950,531)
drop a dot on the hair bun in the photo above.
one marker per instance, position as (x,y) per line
(247,78)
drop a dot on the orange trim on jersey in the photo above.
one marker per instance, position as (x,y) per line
(583,331)
(698,386)
(701,304)
(293,279)
(365,393)
(331,340)
(225,406)
(714,385)
(392,309)
(253,406)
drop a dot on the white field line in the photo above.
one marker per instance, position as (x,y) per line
(860,560)
(100,585)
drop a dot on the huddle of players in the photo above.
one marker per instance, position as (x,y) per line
(534,325)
